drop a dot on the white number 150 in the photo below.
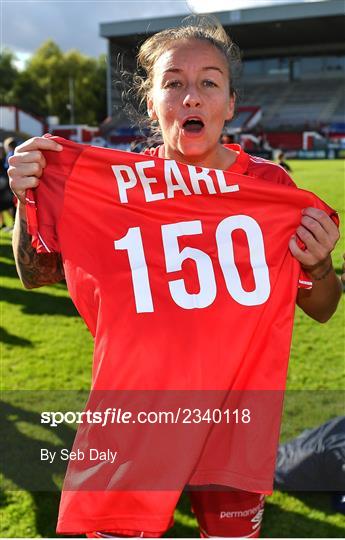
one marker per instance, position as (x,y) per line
(174,258)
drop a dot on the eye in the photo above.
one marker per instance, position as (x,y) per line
(172,84)
(209,83)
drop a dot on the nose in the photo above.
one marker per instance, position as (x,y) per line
(192,98)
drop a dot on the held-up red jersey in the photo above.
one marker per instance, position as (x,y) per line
(184,277)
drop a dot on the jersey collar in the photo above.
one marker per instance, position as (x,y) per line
(241,163)
(239,166)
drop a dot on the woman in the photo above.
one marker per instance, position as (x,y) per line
(189,91)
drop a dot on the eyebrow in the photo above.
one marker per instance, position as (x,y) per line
(206,68)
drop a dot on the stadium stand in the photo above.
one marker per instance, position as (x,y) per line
(293,69)
(338,115)
(298,104)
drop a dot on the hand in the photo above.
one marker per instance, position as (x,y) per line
(27,164)
(319,234)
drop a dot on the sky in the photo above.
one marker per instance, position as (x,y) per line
(74,24)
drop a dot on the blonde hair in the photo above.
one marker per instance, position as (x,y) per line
(204,28)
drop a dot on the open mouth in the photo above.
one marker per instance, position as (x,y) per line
(193,125)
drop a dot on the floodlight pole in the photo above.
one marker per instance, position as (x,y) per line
(71,98)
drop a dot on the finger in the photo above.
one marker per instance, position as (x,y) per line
(35,156)
(327,240)
(316,251)
(38,143)
(308,239)
(303,257)
(26,169)
(321,217)
(29,182)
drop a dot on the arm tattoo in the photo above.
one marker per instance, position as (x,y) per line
(34,269)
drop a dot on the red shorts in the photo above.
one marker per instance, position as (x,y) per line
(219,512)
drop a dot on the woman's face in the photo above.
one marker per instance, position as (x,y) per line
(191,100)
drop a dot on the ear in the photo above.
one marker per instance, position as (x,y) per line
(231,107)
(151,109)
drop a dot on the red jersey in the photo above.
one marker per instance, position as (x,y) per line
(184,277)
(246,164)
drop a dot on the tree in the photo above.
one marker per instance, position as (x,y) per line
(88,78)
(98,82)
(46,69)
(8,75)
(27,95)
(44,87)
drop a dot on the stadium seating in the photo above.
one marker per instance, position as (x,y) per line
(339,113)
(304,104)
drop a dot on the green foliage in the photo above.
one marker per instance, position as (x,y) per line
(43,88)
(8,75)
(46,346)
(27,95)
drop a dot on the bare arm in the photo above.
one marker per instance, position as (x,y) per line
(322,300)
(26,166)
(34,269)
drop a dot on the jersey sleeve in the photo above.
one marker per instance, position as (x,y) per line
(304,280)
(44,204)
(284,177)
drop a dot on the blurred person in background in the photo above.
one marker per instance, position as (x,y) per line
(282,162)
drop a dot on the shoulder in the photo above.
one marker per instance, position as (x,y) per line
(258,167)
(269,171)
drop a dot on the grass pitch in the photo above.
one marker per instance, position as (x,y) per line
(46,346)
